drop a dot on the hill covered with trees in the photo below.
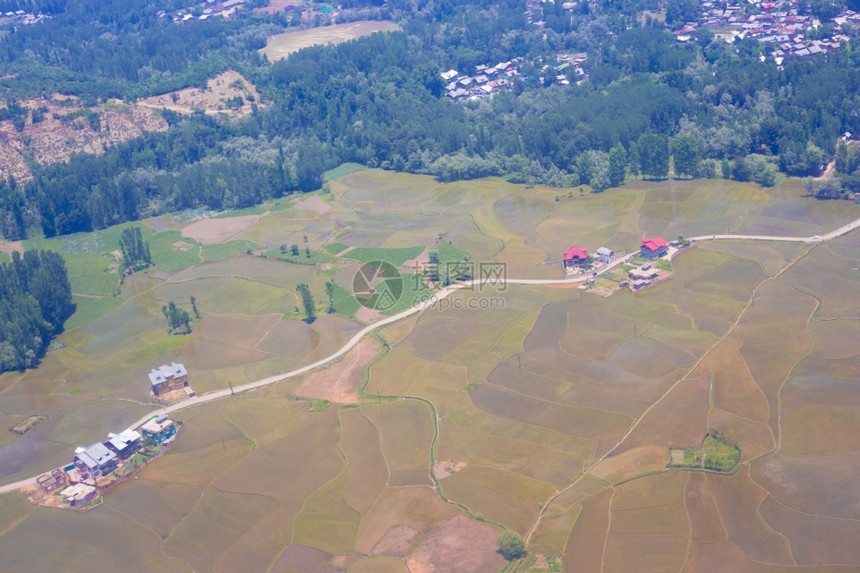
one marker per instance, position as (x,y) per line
(649,102)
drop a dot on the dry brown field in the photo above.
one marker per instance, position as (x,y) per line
(282,45)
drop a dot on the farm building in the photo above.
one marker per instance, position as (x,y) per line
(604,255)
(159,429)
(575,258)
(653,248)
(79,494)
(168,378)
(95,461)
(124,444)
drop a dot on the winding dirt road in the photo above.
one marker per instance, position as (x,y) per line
(435,298)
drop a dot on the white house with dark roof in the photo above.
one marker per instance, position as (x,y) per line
(95,461)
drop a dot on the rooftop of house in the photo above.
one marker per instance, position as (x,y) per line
(155,426)
(653,244)
(575,252)
(166,372)
(77,491)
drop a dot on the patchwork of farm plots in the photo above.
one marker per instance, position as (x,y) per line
(551,413)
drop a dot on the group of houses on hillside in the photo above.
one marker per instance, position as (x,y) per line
(489,80)
(778,24)
(486,81)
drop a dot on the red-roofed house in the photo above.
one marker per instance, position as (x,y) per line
(575,258)
(653,248)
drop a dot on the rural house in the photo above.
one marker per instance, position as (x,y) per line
(159,429)
(575,258)
(124,444)
(168,378)
(653,248)
(79,494)
(604,255)
(95,461)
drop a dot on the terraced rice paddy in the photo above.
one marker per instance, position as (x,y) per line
(554,411)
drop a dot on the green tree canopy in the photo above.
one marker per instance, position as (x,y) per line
(511,545)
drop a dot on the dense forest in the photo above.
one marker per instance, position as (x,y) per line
(651,106)
(35,301)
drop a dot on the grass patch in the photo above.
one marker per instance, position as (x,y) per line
(345,304)
(413,293)
(335,248)
(342,170)
(663,264)
(4,257)
(92,274)
(173,252)
(717,453)
(219,252)
(394,257)
(90,309)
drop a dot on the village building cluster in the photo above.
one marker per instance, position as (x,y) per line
(211,9)
(486,81)
(786,31)
(22,17)
(79,483)
(489,80)
(640,271)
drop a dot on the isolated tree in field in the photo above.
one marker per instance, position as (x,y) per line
(511,545)
(329,290)
(294,250)
(194,307)
(307,302)
(176,318)
(135,251)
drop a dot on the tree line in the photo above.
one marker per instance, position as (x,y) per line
(35,301)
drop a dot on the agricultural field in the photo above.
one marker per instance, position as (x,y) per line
(669,429)
(282,45)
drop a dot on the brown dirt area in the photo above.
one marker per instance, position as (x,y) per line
(60,133)
(445,469)
(314,203)
(367,315)
(396,541)
(457,546)
(340,382)
(636,461)
(182,246)
(214,231)
(213,99)
(419,262)
(9,246)
(282,45)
